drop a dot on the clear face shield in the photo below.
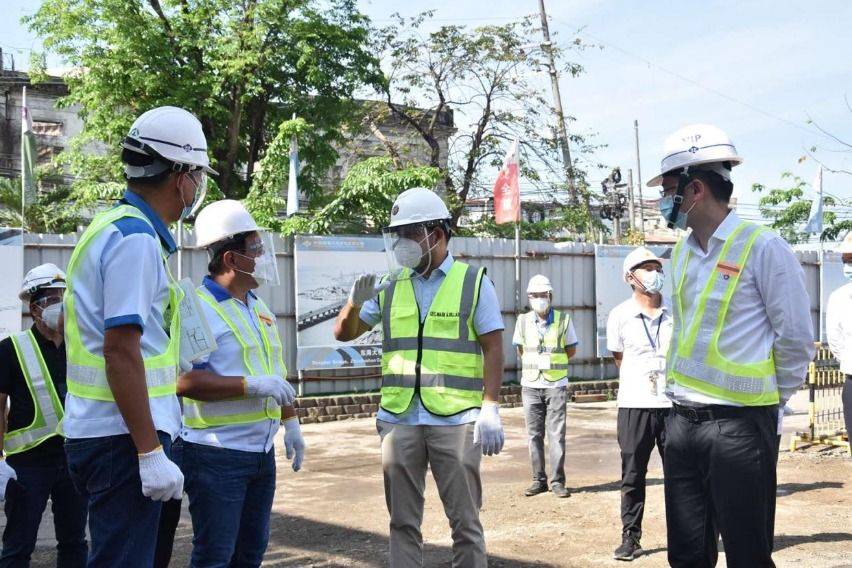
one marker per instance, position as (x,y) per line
(260,251)
(408,250)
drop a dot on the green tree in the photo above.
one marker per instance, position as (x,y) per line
(243,67)
(49,214)
(484,78)
(788,211)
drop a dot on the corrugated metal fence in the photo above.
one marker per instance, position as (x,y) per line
(570,267)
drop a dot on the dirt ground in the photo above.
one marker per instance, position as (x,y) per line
(332,513)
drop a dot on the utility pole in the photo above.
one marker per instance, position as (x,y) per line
(557,104)
(639,181)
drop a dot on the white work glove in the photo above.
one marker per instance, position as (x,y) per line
(261,386)
(488,429)
(6,473)
(294,443)
(162,479)
(365,289)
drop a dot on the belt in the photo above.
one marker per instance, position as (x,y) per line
(714,411)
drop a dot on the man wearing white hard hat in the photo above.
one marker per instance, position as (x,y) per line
(741,345)
(33,467)
(235,398)
(839,328)
(546,341)
(122,331)
(442,367)
(638,332)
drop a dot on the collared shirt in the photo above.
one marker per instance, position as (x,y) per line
(486,318)
(643,342)
(838,318)
(769,312)
(228,361)
(121,280)
(21,407)
(542,325)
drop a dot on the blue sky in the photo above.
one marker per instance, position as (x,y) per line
(757,69)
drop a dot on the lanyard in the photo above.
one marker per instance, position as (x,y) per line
(653,343)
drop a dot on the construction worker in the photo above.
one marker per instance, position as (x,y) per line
(32,377)
(442,367)
(741,345)
(637,333)
(122,329)
(839,329)
(545,340)
(233,397)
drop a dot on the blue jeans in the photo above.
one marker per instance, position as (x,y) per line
(26,500)
(122,522)
(230,499)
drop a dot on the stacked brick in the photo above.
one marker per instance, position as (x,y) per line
(312,410)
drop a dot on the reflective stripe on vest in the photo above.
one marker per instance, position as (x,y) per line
(264,356)
(694,359)
(86,377)
(553,342)
(47,409)
(440,357)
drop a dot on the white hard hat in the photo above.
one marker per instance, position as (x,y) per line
(539,283)
(41,277)
(636,257)
(417,205)
(846,246)
(221,220)
(697,145)
(171,134)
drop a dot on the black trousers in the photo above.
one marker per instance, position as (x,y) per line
(846,397)
(720,478)
(639,430)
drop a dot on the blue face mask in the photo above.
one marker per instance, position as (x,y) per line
(666,208)
(847,271)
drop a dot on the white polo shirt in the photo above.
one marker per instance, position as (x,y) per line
(121,280)
(838,317)
(644,341)
(227,361)
(542,324)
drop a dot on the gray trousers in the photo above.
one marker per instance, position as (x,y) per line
(407,451)
(544,410)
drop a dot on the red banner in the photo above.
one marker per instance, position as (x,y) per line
(507,194)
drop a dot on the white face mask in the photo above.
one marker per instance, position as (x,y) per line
(50,316)
(651,280)
(540,305)
(408,253)
(847,271)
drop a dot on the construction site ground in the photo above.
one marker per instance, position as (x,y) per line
(332,513)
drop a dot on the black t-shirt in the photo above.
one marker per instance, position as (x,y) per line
(20,404)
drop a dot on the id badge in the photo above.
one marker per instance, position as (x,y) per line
(544,361)
(653,382)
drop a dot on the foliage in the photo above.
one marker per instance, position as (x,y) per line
(788,211)
(633,237)
(483,79)
(242,67)
(361,205)
(565,222)
(49,214)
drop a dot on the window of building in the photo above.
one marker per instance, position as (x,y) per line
(47,128)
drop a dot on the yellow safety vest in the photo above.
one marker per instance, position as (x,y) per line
(440,357)
(550,346)
(47,407)
(86,376)
(261,357)
(694,359)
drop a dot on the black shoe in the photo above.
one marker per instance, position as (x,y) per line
(560,490)
(536,488)
(629,548)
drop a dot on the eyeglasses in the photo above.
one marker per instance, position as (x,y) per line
(46,301)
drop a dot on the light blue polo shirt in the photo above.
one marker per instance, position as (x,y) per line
(227,361)
(121,280)
(486,318)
